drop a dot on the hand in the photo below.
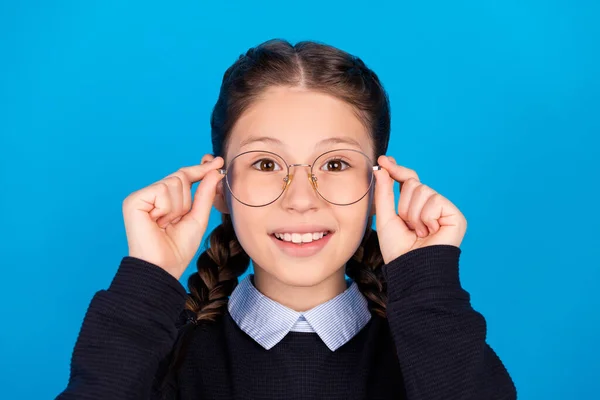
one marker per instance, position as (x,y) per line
(163,226)
(424,218)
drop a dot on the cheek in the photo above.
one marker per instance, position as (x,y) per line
(352,224)
(249,226)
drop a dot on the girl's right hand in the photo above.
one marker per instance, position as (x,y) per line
(163,227)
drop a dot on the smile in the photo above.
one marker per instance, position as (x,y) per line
(300,237)
(306,244)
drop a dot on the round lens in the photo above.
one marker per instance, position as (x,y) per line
(343,177)
(256,178)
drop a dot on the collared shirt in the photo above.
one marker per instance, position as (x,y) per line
(336,321)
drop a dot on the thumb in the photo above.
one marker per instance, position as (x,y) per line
(385,202)
(197,218)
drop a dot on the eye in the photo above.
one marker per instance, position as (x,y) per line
(266,165)
(335,165)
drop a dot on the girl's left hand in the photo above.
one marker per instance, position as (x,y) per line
(424,217)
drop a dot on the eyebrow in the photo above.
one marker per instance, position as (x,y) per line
(277,142)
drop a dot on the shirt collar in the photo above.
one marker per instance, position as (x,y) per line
(267,321)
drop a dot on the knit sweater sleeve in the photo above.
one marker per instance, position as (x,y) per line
(127,334)
(440,339)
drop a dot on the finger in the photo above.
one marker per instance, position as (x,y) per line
(419,197)
(432,211)
(406,193)
(195,173)
(385,203)
(188,176)
(185,196)
(175,187)
(397,172)
(156,200)
(203,201)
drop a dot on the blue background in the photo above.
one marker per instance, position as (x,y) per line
(494,103)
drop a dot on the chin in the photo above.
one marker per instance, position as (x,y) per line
(301,271)
(300,275)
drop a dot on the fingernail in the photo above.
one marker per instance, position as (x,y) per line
(391,159)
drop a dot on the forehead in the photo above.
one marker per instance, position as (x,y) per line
(301,122)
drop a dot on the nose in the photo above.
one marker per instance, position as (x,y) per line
(300,194)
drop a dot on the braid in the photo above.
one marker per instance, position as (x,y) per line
(218,270)
(365,269)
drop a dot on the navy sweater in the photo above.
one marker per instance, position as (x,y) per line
(431,346)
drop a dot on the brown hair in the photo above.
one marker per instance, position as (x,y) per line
(318,67)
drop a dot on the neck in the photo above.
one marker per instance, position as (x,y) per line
(299,298)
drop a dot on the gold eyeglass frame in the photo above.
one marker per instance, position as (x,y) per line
(289,177)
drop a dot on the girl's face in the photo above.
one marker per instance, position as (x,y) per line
(299,125)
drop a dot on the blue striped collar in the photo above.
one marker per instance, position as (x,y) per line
(336,321)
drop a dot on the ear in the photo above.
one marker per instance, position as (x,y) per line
(220,203)
(372,199)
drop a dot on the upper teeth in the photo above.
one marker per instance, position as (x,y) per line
(300,237)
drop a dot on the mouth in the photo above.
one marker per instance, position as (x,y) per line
(300,238)
(301,245)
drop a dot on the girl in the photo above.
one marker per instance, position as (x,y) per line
(298,171)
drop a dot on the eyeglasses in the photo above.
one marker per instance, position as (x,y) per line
(341,177)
